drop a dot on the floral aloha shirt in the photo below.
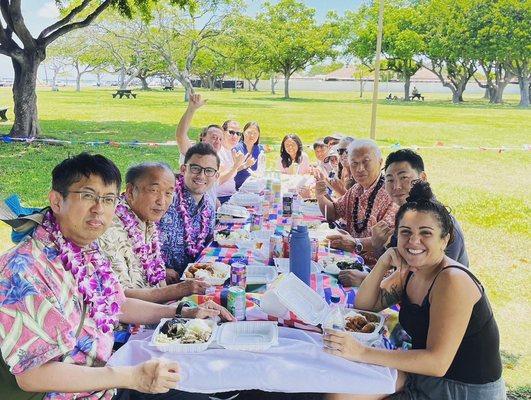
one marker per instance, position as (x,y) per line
(171,229)
(40,312)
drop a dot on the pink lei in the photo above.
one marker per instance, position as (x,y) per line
(194,238)
(149,254)
(98,288)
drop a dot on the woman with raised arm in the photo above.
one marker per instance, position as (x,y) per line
(443,307)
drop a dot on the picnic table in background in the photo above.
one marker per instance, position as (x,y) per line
(124,92)
(3,111)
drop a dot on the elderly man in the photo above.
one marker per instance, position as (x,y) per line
(402,168)
(188,225)
(221,139)
(362,207)
(60,300)
(132,242)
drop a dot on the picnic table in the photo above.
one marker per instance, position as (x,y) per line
(124,92)
(168,88)
(297,364)
(3,111)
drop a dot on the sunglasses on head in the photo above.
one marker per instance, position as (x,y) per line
(237,133)
(341,151)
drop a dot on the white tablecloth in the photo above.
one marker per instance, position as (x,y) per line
(298,364)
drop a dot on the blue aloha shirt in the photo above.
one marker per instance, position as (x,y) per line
(171,227)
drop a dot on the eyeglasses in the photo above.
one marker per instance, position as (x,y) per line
(341,151)
(88,197)
(237,133)
(197,169)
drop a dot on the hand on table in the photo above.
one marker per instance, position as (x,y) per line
(192,286)
(208,310)
(343,344)
(154,376)
(351,277)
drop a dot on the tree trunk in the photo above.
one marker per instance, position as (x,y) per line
(487,94)
(523,83)
(144,82)
(273,84)
(26,123)
(123,85)
(407,83)
(98,79)
(78,82)
(255,84)
(286,85)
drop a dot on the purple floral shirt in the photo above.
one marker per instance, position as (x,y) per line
(40,312)
(171,228)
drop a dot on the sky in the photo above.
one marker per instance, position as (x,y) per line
(40,13)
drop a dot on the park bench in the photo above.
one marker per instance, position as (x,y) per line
(416,96)
(3,111)
(124,92)
(168,88)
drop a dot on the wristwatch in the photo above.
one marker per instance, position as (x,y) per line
(358,246)
(180,306)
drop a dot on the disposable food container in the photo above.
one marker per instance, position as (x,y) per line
(253,336)
(222,267)
(260,274)
(180,347)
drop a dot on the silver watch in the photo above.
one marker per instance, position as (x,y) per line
(358,246)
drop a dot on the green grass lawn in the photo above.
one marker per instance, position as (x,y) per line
(487,191)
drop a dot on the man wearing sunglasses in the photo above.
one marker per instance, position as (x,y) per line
(188,225)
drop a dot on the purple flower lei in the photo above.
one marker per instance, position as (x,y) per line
(99,289)
(149,254)
(195,240)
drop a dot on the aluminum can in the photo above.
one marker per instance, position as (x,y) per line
(266,210)
(287,205)
(236,302)
(256,221)
(238,275)
(276,247)
(285,246)
(314,243)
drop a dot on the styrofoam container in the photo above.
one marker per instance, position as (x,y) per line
(233,238)
(292,294)
(212,280)
(260,274)
(233,210)
(180,347)
(245,199)
(253,185)
(248,335)
(282,265)
(328,264)
(367,338)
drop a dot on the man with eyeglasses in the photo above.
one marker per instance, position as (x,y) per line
(188,225)
(221,139)
(60,301)
(132,243)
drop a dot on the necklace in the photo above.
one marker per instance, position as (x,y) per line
(194,237)
(361,226)
(149,254)
(98,289)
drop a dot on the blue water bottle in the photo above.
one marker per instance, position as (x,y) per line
(300,253)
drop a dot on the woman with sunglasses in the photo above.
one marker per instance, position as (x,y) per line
(293,160)
(443,307)
(250,144)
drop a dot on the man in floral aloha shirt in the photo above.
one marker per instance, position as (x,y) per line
(59,298)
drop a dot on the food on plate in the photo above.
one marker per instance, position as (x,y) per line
(232,237)
(370,317)
(333,264)
(205,270)
(359,323)
(349,264)
(179,330)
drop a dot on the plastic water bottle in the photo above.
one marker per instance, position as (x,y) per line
(261,169)
(335,318)
(300,253)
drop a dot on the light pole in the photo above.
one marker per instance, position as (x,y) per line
(377,69)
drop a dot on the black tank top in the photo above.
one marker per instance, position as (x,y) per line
(478,357)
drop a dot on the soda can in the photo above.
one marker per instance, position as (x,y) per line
(314,243)
(236,302)
(238,276)
(266,210)
(276,247)
(287,205)
(256,221)
(285,246)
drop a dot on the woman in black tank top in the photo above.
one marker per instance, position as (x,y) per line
(444,309)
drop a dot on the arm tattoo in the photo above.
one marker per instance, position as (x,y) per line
(389,298)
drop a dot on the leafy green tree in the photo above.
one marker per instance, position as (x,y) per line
(324,69)
(449,47)
(27,52)
(293,38)
(402,42)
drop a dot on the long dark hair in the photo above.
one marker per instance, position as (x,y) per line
(247,126)
(421,199)
(285,157)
